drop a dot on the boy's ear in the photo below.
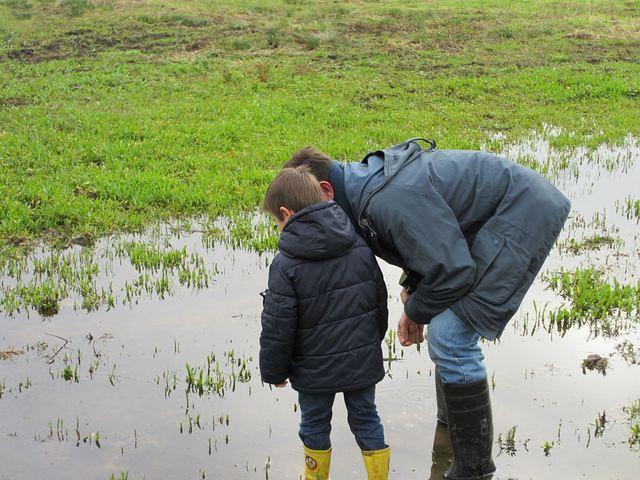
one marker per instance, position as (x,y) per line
(286,214)
(327,190)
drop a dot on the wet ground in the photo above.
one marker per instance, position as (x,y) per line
(90,395)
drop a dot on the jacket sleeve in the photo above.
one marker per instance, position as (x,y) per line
(426,234)
(279,324)
(382,311)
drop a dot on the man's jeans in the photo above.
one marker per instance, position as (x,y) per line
(453,347)
(315,422)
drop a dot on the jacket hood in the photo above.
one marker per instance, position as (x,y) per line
(317,232)
(352,181)
(336,179)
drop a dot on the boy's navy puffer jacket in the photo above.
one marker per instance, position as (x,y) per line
(325,312)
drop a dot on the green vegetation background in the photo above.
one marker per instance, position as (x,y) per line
(115,113)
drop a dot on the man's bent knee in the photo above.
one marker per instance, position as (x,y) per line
(453,347)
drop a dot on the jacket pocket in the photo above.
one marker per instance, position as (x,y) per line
(501,267)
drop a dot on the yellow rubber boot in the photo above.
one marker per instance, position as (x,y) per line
(377,463)
(316,464)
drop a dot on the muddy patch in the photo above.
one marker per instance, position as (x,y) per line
(88,43)
(10,353)
(9,102)
(595,362)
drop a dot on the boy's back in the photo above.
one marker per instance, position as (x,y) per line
(325,312)
(323,319)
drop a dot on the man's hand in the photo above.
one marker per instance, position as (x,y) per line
(409,332)
(404,295)
(282,385)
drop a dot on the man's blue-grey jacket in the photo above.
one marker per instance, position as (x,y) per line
(325,311)
(471,229)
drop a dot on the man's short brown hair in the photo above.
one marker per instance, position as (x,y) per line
(316,161)
(293,188)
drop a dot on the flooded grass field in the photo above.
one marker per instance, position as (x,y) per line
(134,355)
(137,357)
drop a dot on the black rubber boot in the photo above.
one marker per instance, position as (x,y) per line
(471,430)
(442,408)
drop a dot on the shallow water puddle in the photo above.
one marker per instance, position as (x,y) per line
(100,393)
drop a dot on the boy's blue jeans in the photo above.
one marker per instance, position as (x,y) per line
(453,347)
(316,412)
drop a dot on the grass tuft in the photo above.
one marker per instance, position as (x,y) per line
(633,419)
(311,41)
(75,8)
(274,37)
(606,307)
(240,44)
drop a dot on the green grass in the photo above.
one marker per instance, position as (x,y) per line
(628,351)
(124,475)
(594,242)
(116,113)
(40,282)
(630,208)
(633,419)
(508,443)
(215,377)
(605,306)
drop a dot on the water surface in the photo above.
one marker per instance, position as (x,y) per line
(130,363)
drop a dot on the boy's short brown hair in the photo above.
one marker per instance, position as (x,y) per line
(293,188)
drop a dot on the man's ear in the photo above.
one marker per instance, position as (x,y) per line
(327,190)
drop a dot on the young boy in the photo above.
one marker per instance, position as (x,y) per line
(324,317)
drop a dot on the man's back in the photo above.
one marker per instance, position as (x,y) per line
(472,227)
(475,184)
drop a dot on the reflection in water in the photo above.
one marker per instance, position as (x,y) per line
(441,454)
